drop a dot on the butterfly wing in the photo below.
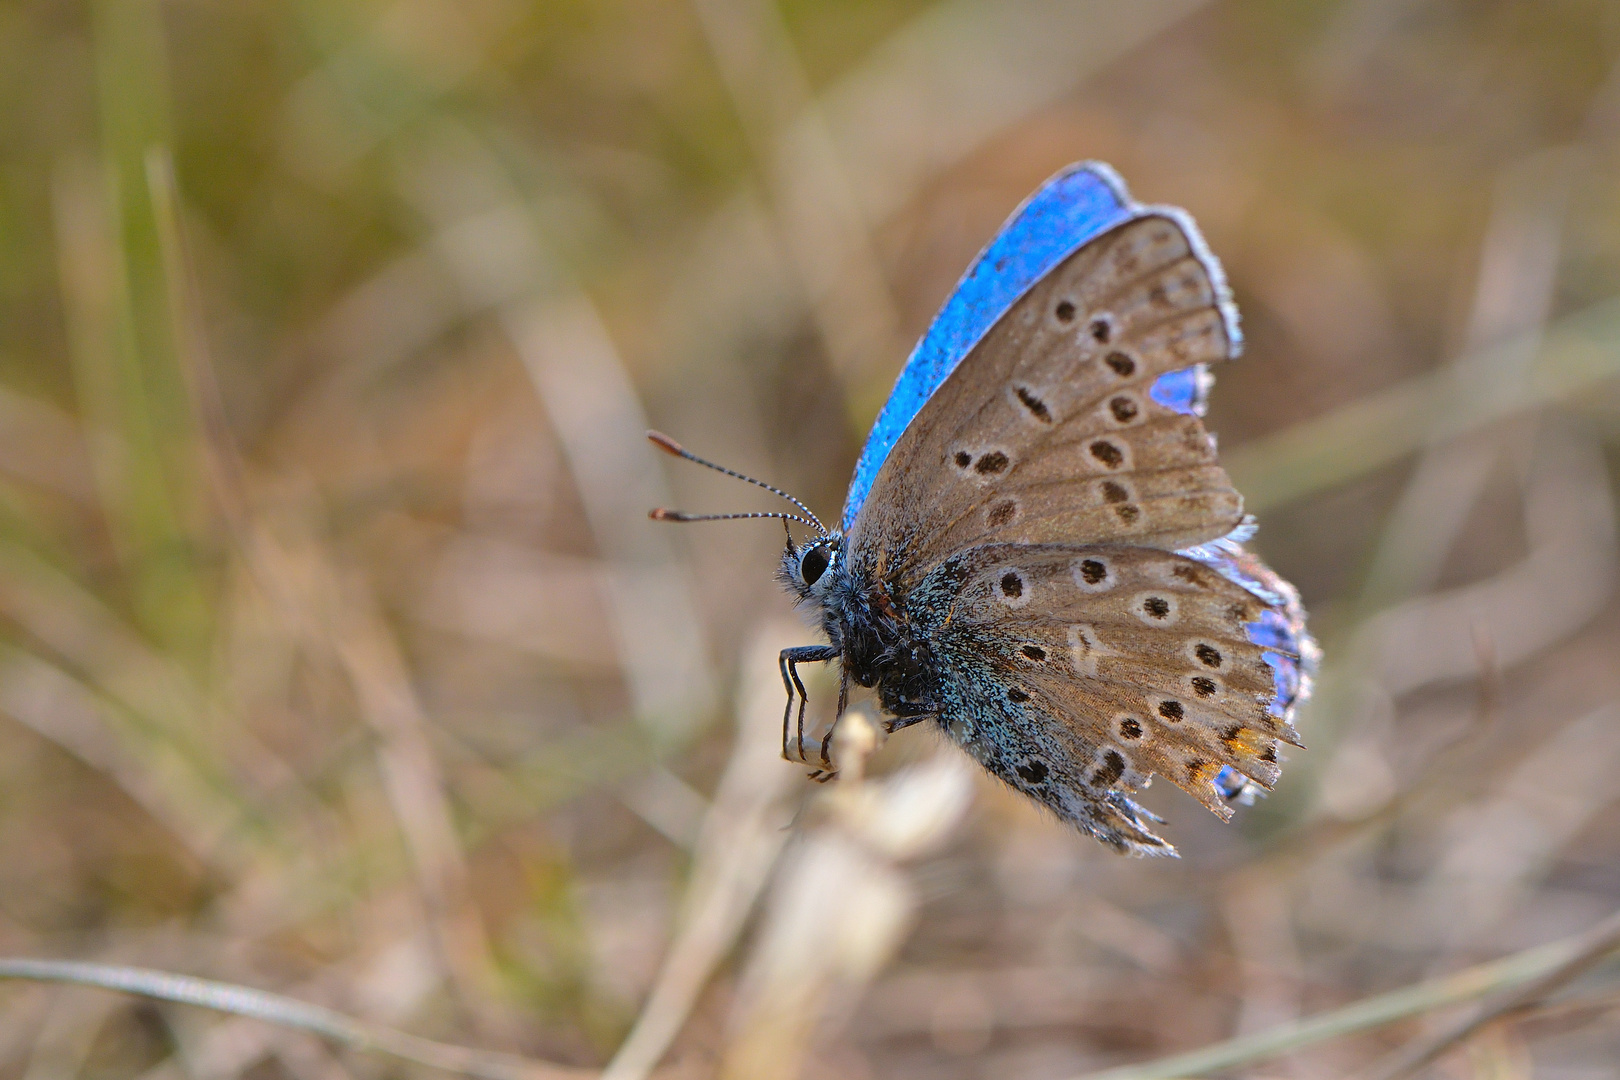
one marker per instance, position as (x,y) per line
(1076,205)
(1076,672)
(1054,524)
(1075,417)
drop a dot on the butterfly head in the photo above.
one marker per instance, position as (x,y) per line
(810,568)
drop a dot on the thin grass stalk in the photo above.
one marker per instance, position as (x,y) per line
(1577,353)
(289,1012)
(1588,951)
(1469,984)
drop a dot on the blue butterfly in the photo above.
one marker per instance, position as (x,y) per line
(1039,552)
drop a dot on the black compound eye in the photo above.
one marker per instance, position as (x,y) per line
(814,563)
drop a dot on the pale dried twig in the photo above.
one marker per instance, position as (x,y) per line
(1583,953)
(741,838)
(271,1008)
(1517,970)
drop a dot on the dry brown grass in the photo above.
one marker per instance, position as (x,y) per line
(338,658)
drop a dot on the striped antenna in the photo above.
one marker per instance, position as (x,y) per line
(670,446)
(663,514)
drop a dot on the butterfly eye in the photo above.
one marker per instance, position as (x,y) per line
(813,564)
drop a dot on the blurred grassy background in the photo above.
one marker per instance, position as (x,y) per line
(337,654)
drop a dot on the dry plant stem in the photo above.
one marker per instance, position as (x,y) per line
(841,904)
(933,94)
(1588,950)
(740,843)
(815,211)
(1572,354)
(271,1008)
(416,787)
(1513,290)
(66,1034)
(580,378)
(219,458)
(1519,970)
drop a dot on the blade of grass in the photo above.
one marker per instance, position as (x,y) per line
(1589,950)
(413,778)
(739,844)
(271,1008)
(813,207)
(216,445)
(143,402)
(165,713)
(1508,973)
(1576,351)
(158,777)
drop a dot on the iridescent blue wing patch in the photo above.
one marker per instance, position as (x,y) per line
(1080,203)
(1280,628)
(1185,391)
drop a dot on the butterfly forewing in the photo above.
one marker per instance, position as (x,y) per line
(1049,431)
(1075,206)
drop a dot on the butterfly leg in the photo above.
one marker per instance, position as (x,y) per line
(793,746)
(907,713)
(826,772)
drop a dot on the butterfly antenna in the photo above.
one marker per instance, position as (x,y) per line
(670,446)
(663,514)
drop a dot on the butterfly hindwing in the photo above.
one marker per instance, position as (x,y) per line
(1051,430)
(1076,672)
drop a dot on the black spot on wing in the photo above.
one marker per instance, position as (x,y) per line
(1122,365)
(1107,453)
(990,464)
(1037,408)
(1033,771)
(1112,768)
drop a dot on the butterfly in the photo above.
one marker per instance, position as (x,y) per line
(1039,552)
